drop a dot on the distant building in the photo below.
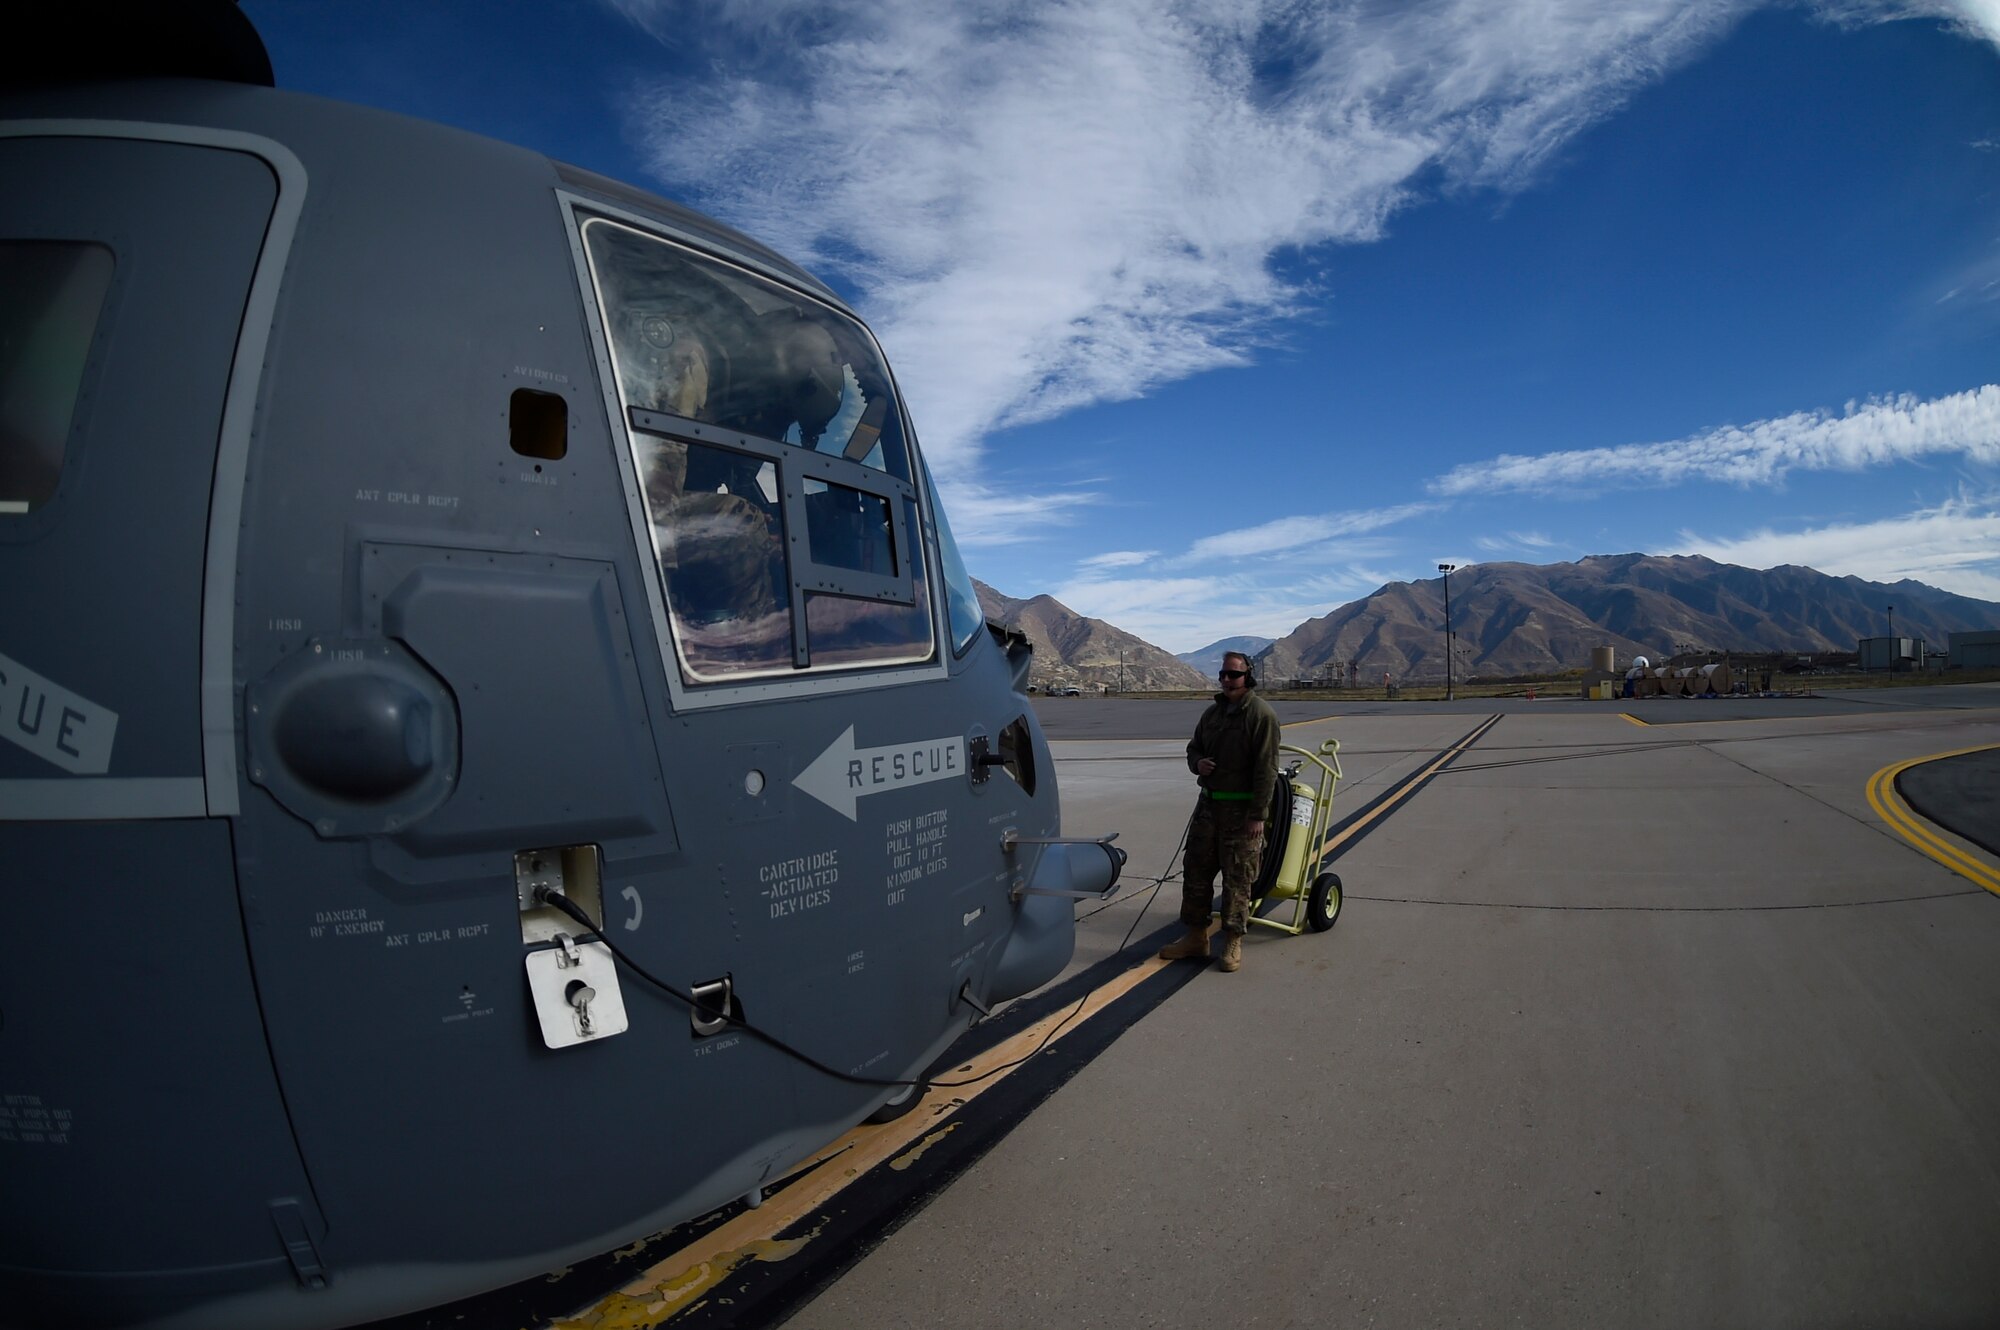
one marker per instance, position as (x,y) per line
(1891,653)
(1973,651)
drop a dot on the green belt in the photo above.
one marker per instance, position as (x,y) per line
(1232,796)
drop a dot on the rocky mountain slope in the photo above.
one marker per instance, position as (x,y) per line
(1209,658)
(1071,650)
(1514,618)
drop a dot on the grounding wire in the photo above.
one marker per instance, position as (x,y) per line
(557,900)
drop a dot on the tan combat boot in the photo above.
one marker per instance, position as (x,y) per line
(1193,943)
(1232,954)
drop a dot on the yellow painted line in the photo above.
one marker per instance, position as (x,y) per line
(1643,724)
(1904,820)
(1386,806)
(681,1281)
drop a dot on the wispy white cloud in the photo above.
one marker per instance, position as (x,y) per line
(1112,597)
(1287,534)
(1515,542)
(1954,545)
(1265,580)
(1049,205)
(1121,559)
(1370,579)
(1874,433)
(984,515)
(1184,613)
(1978,19)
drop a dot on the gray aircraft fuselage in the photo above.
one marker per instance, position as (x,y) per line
(393,521)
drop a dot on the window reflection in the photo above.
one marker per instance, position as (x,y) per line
(961,596)
(50,296)
(702,340)
(706,342)
(719,539)
(844,631)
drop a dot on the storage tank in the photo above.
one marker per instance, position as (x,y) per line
(1603,658)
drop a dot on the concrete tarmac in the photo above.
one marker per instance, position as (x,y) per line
(1632,1025)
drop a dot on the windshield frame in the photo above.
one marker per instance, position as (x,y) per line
(916,549)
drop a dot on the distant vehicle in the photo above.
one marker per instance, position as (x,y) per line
(407,541)
(1069,690)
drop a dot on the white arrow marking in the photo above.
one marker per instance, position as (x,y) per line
(844,774)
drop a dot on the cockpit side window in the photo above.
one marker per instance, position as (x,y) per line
(718,538)
(777,477)
(51,293)
(961,596)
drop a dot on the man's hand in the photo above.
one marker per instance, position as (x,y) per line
(1255,828)
(1205,766)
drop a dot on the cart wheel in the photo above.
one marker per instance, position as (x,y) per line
(1323,906)
(899,1104)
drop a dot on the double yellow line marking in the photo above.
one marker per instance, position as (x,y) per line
(1889,806)
(1406,789)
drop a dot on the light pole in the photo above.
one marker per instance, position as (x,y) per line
(1892,622)
(1446,569)
(1121,673)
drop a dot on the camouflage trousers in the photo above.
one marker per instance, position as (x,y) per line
(1217,841)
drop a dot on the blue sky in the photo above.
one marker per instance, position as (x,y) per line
(1215,315)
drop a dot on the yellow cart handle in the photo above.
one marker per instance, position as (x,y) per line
(1328,749)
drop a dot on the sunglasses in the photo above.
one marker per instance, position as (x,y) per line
(1231,674)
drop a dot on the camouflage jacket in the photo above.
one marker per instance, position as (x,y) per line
(1243,739)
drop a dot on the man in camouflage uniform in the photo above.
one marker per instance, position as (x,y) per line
(1234,752)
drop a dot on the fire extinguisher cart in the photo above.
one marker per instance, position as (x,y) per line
(1295,844)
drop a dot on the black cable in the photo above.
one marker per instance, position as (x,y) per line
(1153,892)
(1153,887)
(556,900)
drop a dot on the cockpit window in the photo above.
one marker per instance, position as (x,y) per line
(719,540)
(51,293)
(961,596)
(700,339)
(776,474)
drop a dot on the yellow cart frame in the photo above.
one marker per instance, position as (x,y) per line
(1315,894)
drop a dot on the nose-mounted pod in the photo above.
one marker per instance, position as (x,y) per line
(1071,866)
(1044,934)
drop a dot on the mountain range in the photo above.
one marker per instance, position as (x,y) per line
(1516,618)
(1208,659)
(1073,650)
